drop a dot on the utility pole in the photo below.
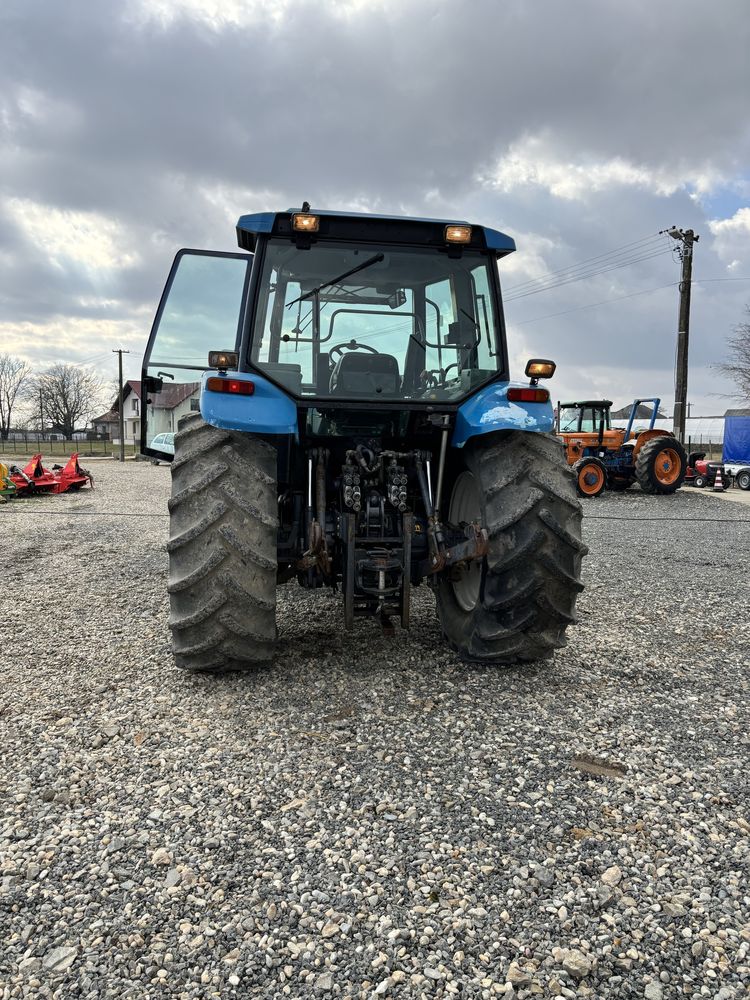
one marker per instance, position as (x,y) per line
(686,237)
(119,354)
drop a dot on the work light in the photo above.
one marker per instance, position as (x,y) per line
(457,234)
(305,223)
(537,368)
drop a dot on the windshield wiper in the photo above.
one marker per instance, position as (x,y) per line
(339,278)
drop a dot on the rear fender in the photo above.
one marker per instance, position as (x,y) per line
(267,411)
(490,410)
(645,436)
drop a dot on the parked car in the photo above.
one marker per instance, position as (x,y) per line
(163,443)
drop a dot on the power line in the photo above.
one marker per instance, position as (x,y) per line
(637,246)
(590,305)
(589,274)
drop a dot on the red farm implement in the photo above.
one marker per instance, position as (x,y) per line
(34,478)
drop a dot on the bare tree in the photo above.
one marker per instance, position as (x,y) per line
(737,366)
(63,396)
(13,373)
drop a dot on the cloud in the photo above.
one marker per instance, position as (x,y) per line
(533,162)
(732,239)
(86,238)
(130,130)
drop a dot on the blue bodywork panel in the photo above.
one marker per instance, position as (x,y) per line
(267,411)
(263,222)
(489,410)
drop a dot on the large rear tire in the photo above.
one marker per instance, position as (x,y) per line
(222,548)
(515,605)
(661,465)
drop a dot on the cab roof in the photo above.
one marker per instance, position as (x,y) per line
(590,402)
(365,228)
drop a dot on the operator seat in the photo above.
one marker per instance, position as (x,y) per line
(367,375)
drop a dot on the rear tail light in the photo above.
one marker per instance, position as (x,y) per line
(238,386)
(528,395)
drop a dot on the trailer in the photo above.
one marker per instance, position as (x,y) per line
(736,453)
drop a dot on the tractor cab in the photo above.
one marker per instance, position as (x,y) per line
(589,416)
(340,322)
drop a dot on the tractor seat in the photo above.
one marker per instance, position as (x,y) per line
(695,456)
(360,374)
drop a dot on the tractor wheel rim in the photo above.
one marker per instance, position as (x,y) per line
(591,479)
(466,506)
(667,466)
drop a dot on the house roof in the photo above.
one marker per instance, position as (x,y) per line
(110,417)
(173,395)
(169,397)
(643,410)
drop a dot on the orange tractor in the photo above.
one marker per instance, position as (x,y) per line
(604,457)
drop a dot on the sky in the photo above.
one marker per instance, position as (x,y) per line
(131,128)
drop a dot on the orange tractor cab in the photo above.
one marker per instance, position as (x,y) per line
(604,457)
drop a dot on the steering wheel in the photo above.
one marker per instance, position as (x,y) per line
(351,345)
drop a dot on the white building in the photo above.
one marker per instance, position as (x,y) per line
(164,409)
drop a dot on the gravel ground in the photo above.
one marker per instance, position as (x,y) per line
(370,817)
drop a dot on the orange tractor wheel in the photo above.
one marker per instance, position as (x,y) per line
(661,465)
(591,477)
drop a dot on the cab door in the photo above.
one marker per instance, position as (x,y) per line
(202,309)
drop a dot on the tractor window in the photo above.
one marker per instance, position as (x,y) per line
(568,419)
(359,322)
(592,418)
(583,419)
(588,419)
(201,312)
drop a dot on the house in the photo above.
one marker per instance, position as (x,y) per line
(105,426)
(164,409)
(643,412)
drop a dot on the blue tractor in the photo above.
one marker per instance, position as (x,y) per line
(349,423)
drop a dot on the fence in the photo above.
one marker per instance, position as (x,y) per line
(713,449)
(30,444)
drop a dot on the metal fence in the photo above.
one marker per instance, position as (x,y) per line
(30,444)
(713,449)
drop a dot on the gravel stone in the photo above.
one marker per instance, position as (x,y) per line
(60,959)
(368,813)
(612,876)
(573,961)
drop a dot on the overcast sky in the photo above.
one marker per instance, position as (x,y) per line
(131,128)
